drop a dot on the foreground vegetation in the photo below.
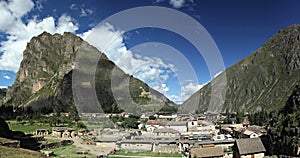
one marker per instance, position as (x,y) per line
(68,151)
(26,126)
(6,152)
(283,127)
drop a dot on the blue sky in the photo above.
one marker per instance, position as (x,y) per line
(163,59)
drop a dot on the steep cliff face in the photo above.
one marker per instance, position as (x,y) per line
(263,80)
(44,80)
(46,59)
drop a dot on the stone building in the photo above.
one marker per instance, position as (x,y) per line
(41,132)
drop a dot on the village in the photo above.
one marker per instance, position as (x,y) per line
(189,135)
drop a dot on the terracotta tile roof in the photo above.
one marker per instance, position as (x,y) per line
(206,123)
(177,123)
(248,132)
(165,130)
(153,122)
(208,152)
(166,123)
(257,129)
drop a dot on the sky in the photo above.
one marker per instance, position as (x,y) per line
(163,58)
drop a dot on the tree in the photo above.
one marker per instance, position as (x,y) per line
(283,127)
(19,119)
(152,117)
(168,108)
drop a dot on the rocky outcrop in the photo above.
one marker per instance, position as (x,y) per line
(4,129)
(2,93)
(263,80)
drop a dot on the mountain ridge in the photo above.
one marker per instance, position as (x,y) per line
(263,80)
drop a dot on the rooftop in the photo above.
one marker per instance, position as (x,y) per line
(208,152)
(250,145)
(165,130)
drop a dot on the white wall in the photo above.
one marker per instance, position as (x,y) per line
(138,146)
(192,124)
(179,128)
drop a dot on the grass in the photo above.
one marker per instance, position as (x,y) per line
(26,128)
(51,140)
(6,152)
(145,153)
(67,151)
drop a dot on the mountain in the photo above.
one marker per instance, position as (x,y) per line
(263,80)
(45,81)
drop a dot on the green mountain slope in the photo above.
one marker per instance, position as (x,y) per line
(263,80)
(44,80)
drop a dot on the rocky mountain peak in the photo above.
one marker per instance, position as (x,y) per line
(44,79)
(46,57)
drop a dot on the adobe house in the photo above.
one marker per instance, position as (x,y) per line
(153,145)
(180,126)
(170,132)
(249,132)
(108,141)
(62,132)
(249,148)
(82,133)
(41,132)
(170,148)
(135,145)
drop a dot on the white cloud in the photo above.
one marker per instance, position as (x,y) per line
(162,88)
(186,91)
(39,4)
(85,12)
(190,89)
(73,6)
(176,98)
(6,77)
(66,23)
(177,3)
(3,87)
(82,10)
(19,33)
(107,39)
(158,1)
(19,8)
